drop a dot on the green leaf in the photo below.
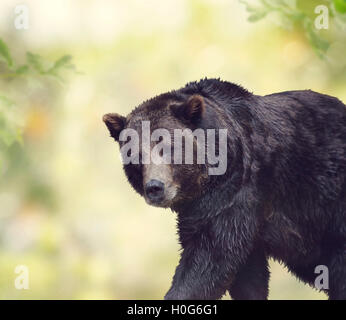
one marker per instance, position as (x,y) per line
(63,62)
(5,53)
(340,6)
(316,41)
(36,62)
(257,16)
(22,70)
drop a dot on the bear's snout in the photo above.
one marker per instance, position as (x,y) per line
(155,191)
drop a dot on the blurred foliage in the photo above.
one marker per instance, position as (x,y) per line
(67,211)
(18,81)
(9,70)
(301,14)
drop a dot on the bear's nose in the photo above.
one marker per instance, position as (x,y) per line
(154,190)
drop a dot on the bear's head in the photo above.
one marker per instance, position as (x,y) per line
(165,143)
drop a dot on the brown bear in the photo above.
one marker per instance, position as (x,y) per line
(278,188)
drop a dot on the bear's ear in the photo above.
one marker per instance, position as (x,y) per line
(115,123)
(191,110)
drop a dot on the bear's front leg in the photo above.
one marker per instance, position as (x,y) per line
(252,280)
(212,256)
(197,275)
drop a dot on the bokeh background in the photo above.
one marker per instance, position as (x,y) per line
(66,209)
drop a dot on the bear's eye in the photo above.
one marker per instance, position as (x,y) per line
(161,150)
(129,156)
(133,154)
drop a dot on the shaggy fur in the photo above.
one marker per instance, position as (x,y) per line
(283,195)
